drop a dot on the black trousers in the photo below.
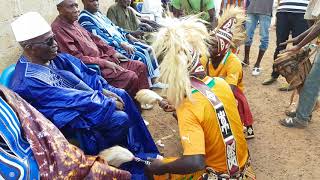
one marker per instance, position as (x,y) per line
(287,23)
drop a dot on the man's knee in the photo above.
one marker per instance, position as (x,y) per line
(116,130)
(133,77)
(250,35)
(119,119)
(138,63)
(264,44)
(264,37)
(248,42)
(120,92)
(141,67)
(129,77)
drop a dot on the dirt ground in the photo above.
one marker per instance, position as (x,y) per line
(277,152)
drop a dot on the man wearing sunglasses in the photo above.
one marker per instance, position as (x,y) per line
(78,101)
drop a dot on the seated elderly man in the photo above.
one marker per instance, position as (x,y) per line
(118,70)
(123,16)
(31,143)
(78,101)
(98,24)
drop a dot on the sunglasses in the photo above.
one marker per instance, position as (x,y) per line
(48,42)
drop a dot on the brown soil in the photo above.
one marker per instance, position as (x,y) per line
(277,152)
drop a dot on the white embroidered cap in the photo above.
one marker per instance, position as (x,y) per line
(58,1)
(29,26)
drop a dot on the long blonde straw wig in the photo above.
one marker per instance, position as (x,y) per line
(176,43)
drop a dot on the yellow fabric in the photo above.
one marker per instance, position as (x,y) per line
(199,129)
(230,70)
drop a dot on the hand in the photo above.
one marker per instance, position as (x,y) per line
(155,25)
(124,59)
(132,39)
(152,23)
(156,167)
(293,40)
(119,105)
(120,57)
(114,66)
(112,95)
(137,33)
(116,57)
(128,48)
(294,49)
(166,106)
(147,27)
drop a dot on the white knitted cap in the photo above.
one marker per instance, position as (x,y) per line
(29,26)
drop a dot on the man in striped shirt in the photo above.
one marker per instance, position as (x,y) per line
(290,19)
(309,94)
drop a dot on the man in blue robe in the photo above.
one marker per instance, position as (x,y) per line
(16,158)
(98,24)
(77,100)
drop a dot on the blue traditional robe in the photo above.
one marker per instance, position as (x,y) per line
(71,96)
(16,157)
(101,26)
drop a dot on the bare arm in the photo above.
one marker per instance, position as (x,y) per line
(304,34)
(311,34)
(314,32)
(183,165)
(299,38)
(131,38)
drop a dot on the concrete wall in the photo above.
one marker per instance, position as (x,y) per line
(11,9)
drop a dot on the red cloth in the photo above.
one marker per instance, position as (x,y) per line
(75,40)
(243,107)
(131,80)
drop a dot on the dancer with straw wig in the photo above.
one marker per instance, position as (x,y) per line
(222,62)
(208,119)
